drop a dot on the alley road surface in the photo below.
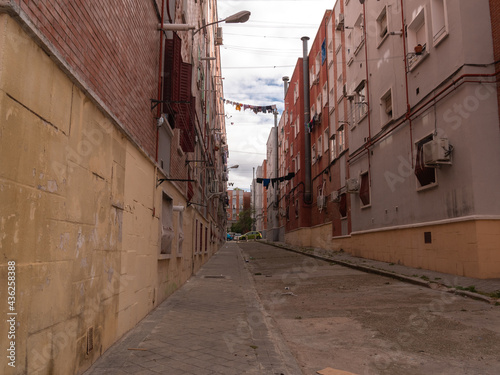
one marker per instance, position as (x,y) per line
(337,317)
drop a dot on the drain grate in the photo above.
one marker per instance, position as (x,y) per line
(214,277)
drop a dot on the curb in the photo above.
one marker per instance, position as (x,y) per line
(408,279)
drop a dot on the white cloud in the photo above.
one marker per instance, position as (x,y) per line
(255,56)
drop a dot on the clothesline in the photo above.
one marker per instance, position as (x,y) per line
(255,108)
(266,181)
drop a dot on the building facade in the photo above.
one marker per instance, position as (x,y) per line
(406,94)
(259,200)
(238,201)
(111,190)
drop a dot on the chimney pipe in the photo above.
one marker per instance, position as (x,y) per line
(307,118)
(285,84)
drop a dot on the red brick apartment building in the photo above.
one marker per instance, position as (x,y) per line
(402,117)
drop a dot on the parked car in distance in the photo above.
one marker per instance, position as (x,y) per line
(237,236)
(253,235)
(229,237)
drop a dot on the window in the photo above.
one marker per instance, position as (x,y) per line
(320,146)
(297,162)
(341,139)
(360,101)
(295,95)
(201,237)
(313,153)
(330,51)
(331,97)
(340,86)
(364,190)
(323,52)
(165,136)
(325,94)
(439,21)
(206,239)
(382,31)
(343,205)
(358,34)
(196,236)
(180,229)
(317,64)
(386,111)
(333,148)
(350,48)
(325,140)
(417,40)
(426,177)
(319,103)
(167,225)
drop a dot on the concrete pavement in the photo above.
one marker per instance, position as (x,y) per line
(214,324)
(487,290)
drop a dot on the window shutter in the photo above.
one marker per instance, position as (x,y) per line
(364,190)
(424,174)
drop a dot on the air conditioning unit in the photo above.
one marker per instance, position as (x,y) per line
(218,37)
(339,22)
(352,185)
(335,196)
(436,152)
(321,202)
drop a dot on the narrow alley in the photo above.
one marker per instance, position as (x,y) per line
(257,309)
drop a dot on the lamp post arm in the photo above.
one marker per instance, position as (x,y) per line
(208,24)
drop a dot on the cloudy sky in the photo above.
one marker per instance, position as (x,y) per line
(255,57)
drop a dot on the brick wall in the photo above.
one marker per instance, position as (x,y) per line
(114,46)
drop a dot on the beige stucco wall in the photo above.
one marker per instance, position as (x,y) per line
(466,248)
(79,214)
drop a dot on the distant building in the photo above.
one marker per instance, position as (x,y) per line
(238,201)
(260,194)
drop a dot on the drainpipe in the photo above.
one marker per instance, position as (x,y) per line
(408,106)
(276,236)
(307,118)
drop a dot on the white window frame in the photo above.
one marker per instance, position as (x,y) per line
(417,35)
(382,26)
(439,15)
(385,117)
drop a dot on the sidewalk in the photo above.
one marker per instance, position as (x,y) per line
(485,290)
(214,324)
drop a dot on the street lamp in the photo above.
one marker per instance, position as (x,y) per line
(240,17)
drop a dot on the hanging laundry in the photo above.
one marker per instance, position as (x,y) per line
(238,106)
